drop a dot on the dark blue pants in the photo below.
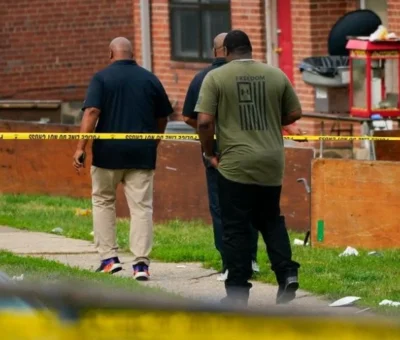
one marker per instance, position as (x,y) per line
(212,186)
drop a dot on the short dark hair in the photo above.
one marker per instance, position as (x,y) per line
(237,42)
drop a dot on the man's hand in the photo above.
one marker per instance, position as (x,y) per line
(214,161)
(79,160)
(191,122)
(294,130)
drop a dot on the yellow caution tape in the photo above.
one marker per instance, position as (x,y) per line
(174,136)
(194,326)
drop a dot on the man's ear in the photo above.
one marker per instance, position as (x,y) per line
(111,54)
(214,52)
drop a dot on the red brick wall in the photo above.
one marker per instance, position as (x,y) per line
(249,16)
(58,43)
(394,16)
(137,32)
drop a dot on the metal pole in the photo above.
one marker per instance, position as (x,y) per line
(268,32)
(146,34)
(321,142)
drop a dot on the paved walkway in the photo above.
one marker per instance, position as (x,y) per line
(186,279)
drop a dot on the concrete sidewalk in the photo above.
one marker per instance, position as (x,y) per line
(186,279)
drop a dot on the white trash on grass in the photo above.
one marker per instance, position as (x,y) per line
(57,230)
(346,301)
(374,253)
(298,242)
(389,303)
(349,252)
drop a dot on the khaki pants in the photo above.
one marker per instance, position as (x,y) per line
(138,187)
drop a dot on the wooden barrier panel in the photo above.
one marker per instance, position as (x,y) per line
(180,191)
(355,203)
(295,201)
(180,186)
(387,150)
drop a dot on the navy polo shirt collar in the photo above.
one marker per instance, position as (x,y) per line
(218,61)
(125,62)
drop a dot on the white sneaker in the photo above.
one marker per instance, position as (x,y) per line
(255,267)
(223,276)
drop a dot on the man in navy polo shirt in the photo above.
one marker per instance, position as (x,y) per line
(123,98)
(190,118)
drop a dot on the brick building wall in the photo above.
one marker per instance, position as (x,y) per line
(63,42)
(175,75)
(49,44)
(394,15)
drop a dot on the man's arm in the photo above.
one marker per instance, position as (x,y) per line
(291,117)
(207,107)
(162,124)
(92,109)
(163,108)
(189,115)
(206,130)
(290,104)
(191,122)
(88,124)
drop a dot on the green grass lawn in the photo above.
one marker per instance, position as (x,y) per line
(37,270)
(323,272)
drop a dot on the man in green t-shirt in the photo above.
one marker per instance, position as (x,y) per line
(254,101)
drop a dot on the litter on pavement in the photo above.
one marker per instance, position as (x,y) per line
(346,301)
(18,278)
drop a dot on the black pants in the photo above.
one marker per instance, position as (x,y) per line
(243,205)
(212,186)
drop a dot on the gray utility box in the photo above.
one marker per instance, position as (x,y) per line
(331,99)
(330,77)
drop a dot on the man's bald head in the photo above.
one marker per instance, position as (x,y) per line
(121,48)
(218,45)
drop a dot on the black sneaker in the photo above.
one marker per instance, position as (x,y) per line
(287,292)
(110,266)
